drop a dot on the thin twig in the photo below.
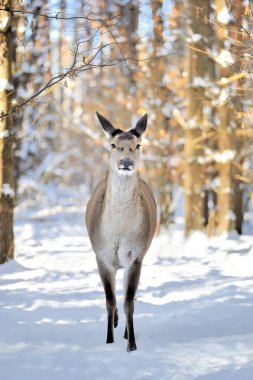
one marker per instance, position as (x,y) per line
(56,16)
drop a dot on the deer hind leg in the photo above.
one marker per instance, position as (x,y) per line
(108,281)
(131,281)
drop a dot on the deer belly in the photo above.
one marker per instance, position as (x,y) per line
(121,249)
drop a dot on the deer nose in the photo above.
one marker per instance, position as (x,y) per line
(126,162)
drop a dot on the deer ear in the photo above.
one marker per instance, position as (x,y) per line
(140,127)
(107,126)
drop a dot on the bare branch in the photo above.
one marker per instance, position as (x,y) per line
(72,70)
(57,15)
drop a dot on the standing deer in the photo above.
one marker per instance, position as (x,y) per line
(121,222)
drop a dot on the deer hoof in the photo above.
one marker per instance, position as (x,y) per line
(131,347)
(109,339)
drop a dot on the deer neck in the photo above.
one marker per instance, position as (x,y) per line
(122,190)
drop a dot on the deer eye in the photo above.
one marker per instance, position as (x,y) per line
(113,146)
(138,146)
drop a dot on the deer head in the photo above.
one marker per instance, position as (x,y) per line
(125,146)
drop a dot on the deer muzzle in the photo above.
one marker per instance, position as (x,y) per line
(126,164)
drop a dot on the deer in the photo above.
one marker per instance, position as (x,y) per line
(121,219)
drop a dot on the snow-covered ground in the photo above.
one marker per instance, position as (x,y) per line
(193,313)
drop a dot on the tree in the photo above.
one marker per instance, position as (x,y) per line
(160,112)
(6,136)
(193,144)
(239,142)
(225,127)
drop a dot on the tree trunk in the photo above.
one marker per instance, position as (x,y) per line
(6,139)
(24,60)
(18,53)
(238,186)
(160,94)
(193,147)
(126,32)
(225,145)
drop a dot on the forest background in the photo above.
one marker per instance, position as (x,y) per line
(188,64)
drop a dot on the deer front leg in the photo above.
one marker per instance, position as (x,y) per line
(131,281)
(108,281)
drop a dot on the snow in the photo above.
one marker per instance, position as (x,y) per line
(199,82)
(5,85)
(224,17)
(192,314)
(7,190)
(4,23)
(225,58)
(195,37)
(4,134)
(224,96)
(224,157)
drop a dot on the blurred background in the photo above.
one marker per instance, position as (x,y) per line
(188,64)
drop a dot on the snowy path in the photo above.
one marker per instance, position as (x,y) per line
(193,313)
